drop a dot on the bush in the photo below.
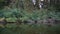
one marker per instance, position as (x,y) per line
(35,15)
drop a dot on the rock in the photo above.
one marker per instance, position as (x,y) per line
(3,21)
(28,22)
(57,22)
(39,21)
(18,21)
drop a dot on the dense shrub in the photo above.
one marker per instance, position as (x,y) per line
(35,15)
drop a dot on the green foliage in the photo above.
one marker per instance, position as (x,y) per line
(2,4)
(11,19)
(41,14)
(1,0)
(10,12)
(24,15)
(52,12)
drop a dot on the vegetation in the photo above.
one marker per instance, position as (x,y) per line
(15,13)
